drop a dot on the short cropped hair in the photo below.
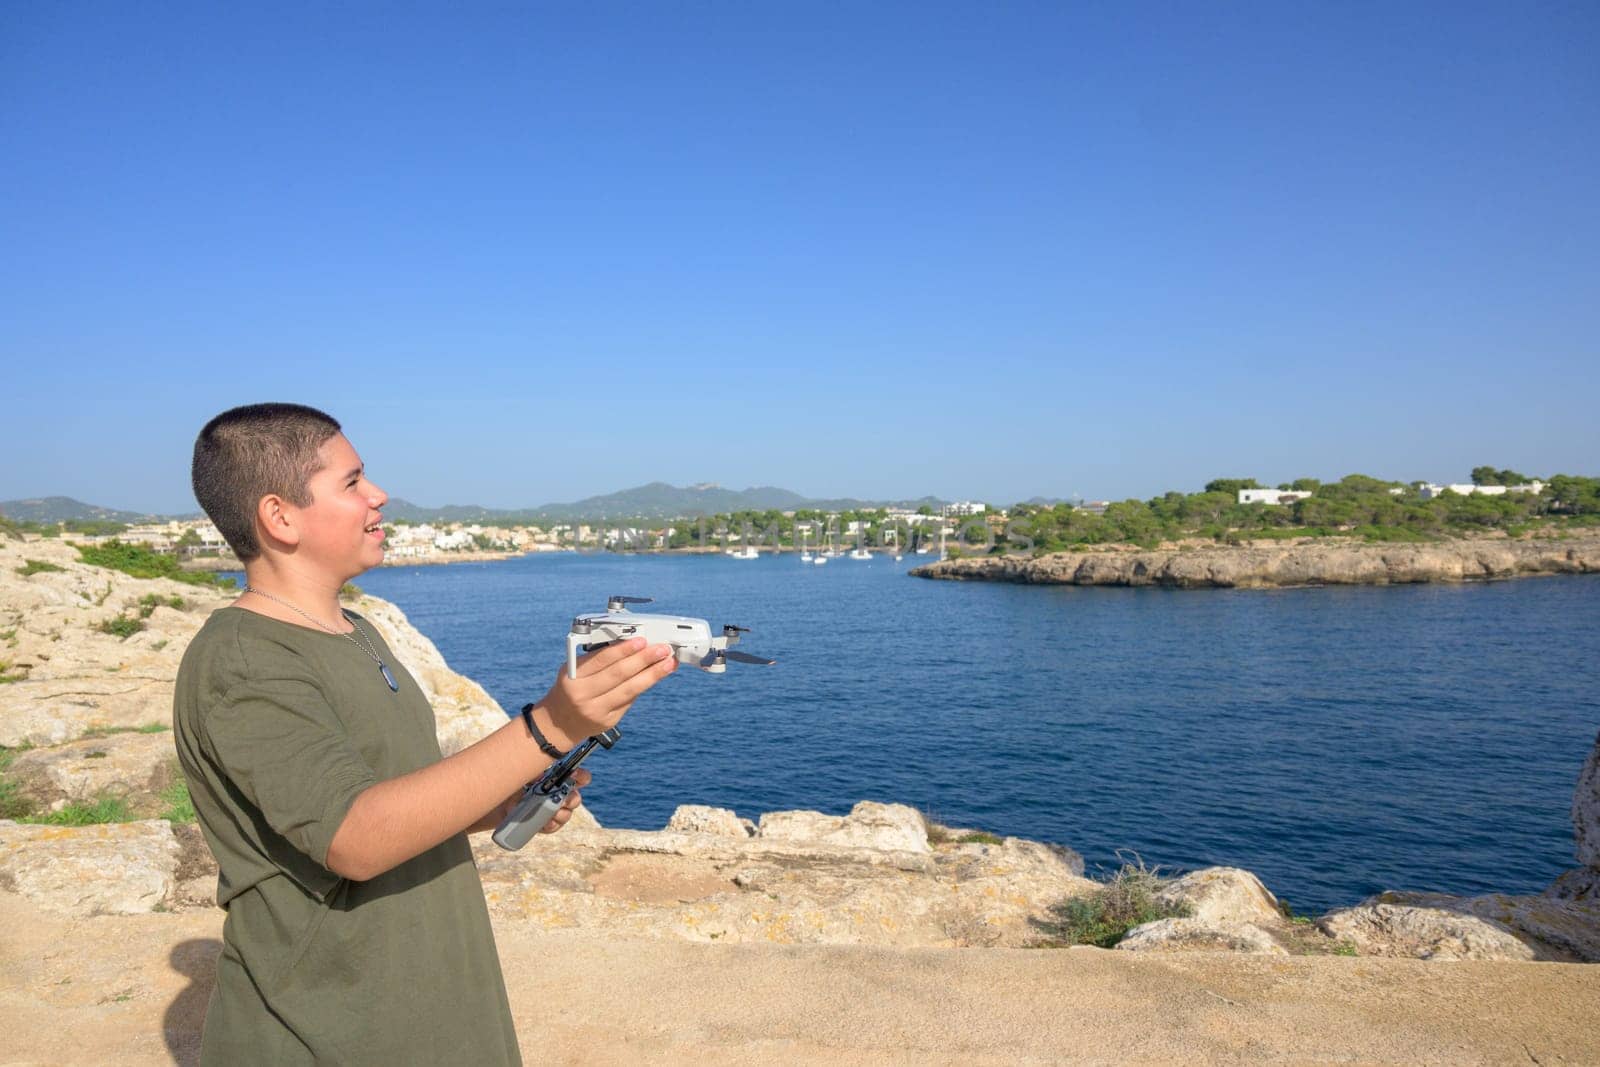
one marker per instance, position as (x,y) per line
(248,452)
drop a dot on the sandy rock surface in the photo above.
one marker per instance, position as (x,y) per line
(132,990)
(1287,565)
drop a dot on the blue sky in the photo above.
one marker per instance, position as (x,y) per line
(533,252)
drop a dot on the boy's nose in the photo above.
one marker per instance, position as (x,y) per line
(378,497)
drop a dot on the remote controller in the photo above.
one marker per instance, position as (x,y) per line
(532,813)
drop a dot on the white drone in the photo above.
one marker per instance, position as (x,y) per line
(691,639)
(692,645)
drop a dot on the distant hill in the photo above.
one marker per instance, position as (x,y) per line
(66,509)
(657,500)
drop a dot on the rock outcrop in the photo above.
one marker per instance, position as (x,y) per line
(1288,565)
(1496,926)
(1201,935)
(867,878)
(1222,895)
(71,680)
(110,869)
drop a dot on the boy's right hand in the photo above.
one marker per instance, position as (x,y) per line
(608,683)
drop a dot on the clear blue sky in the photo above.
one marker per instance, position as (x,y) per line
(533,252)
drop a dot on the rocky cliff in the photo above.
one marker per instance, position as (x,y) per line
(1284,565)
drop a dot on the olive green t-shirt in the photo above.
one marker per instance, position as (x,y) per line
(278,729)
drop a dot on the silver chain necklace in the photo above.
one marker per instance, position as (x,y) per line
(383,668)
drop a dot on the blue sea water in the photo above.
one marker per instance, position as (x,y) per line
(1336,741)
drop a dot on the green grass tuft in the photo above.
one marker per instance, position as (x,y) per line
(38,566)
(103,810)
(122,626)
(177,807)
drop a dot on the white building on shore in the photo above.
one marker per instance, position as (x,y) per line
(1272,497)
(1429,491)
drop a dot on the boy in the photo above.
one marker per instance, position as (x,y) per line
(357,930)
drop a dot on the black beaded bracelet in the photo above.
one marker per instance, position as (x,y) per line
(539,738)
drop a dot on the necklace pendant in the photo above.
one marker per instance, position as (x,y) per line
(394,686)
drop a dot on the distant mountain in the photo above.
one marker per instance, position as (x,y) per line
(66,509)
(657,500)
(398,508)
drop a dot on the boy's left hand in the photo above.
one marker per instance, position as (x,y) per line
(580,778)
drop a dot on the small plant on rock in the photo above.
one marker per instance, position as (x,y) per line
(37,566)
(121,626)
(1127,899)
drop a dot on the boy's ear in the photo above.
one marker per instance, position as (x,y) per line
(275,518)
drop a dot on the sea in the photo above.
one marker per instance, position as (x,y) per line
(1335,741)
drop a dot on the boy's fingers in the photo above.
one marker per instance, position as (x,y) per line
(602,658)
(562,816)
(581,777)
(617,673)
(629,690)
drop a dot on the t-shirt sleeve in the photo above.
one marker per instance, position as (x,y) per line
(282,745)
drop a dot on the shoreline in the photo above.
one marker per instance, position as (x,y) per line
(1283,567)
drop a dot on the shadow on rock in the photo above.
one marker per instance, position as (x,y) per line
(196,960)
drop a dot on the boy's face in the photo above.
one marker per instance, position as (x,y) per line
(338,529)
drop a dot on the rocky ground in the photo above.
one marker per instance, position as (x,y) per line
(114,927)
(1268,566)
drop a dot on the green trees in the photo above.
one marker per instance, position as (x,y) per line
(1231,486)
(1490,476)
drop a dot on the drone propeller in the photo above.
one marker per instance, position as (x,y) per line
(730,629)
(617,603)
(723,655)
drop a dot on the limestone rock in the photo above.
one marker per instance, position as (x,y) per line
(892,827)
(464,710)
(133,766)
(1284,565)
(1201,935)
(699,819)
(1586,810)
(798,885)
(1493,926)
(1378,929)
(77,679)
(115,868)
(1581,883)
(1222,895)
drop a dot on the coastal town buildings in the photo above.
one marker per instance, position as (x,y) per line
(1428,490)
(1272,497)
